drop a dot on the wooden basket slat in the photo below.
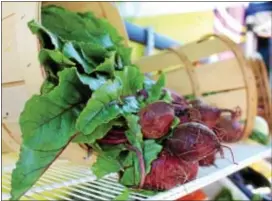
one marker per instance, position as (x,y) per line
(9,9)
(204,48)
(10,139)
(178,81)
(263,87)
(13,99)
(28,48)
(220,76)
(13,128)
(11,64)
(194,52)
(230,100)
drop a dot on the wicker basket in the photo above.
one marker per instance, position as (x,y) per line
(263,89)
(231,79)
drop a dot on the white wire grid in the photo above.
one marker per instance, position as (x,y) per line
(66,181)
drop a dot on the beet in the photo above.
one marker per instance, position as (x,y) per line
(186,113)
(193,141)
(177,98)
(114,136)
(156,119)
(208,160)
(209,114)
(229,129)
(168,171)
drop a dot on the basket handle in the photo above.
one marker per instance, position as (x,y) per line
(189,69)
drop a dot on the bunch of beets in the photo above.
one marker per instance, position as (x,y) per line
(193,143)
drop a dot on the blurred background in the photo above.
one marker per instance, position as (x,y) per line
(159,25)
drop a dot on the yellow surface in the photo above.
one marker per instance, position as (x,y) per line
(185,27)
(263,167)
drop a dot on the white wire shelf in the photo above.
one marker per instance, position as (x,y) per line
(67,181)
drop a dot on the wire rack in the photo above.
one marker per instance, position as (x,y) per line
(65,180)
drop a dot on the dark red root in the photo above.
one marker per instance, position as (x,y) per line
(220,132)
(232,156)
(141,162)
(194,115)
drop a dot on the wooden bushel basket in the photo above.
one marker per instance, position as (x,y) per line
(263,89)
(231,81)
(226,83)
(20,56)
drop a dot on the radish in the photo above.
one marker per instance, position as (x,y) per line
(168,171)
(194,141)
(156,119)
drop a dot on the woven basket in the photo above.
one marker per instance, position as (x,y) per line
(232,80)
(263,89)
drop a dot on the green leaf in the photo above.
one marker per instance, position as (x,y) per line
(71,26)
(70,51)
(108,65)
(128,178)
(94,82)
(93,53)
(151,151)
(123,56)
(130,105)
(155,91)
(101,108)
(49,119)
(55,56)
(98,133)
(134,134)
(132,80)
(48,39)
(166,97)
(46,87)
(124,195)
(107,162)
(259,137)
(131,176)
(53,62)
(30,167)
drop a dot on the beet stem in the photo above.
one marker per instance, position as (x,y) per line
(141,162)
(232,156)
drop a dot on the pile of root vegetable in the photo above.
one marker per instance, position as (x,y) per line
(93,95)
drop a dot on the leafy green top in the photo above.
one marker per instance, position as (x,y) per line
(90,87)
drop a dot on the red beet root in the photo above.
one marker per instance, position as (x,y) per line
(156,119)
(209,114)
(208,160)
(168,171)
(177,98)
(193,141)
(186,113)
(229,129)
(114,136)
